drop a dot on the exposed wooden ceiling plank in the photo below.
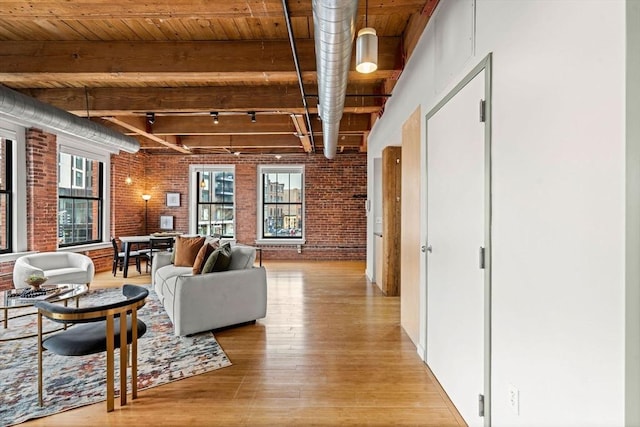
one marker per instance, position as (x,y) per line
(135,125)
(196,9)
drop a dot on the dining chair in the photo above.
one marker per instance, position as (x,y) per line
(157,244)
(118,257)
(97,329)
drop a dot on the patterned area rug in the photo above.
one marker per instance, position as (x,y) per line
(71,382)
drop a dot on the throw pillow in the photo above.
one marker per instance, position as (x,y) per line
(219,260)
(213,241)
(210,262)
(201,258)
(224,258)
(186,249)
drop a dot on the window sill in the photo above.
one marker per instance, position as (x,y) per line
(14,256)
(83,248)
(281,242)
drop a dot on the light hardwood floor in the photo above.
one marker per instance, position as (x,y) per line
(330,352)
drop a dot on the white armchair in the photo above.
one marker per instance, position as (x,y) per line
(57,267)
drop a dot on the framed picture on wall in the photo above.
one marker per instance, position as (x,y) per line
(173,199)
(166,222)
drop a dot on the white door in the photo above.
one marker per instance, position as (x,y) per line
(455,234)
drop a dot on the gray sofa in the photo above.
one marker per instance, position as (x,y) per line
(201,302)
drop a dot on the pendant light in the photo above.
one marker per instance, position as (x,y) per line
(203,184)
(128,179)
(366,47)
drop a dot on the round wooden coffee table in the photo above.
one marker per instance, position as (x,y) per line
(65,292)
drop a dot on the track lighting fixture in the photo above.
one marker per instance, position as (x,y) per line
(151,118)
(253,116)
(214,115)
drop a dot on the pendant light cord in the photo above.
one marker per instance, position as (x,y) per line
(86,101)
(366,13)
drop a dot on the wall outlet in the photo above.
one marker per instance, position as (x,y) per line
(513,396)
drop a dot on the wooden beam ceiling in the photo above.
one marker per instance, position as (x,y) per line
(182,60)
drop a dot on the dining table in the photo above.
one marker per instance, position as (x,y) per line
(129,241)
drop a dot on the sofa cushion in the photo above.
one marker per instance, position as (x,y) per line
(242,257)
(201,258)
(186,249)
(66,275)
(165,278)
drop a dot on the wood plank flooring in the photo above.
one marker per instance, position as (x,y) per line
(330,352)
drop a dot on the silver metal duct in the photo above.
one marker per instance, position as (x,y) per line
(28,111)
(334,29)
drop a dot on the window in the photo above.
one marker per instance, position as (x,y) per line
(6,196)
(13,191)
(280,207)
(80,200)
(215,213)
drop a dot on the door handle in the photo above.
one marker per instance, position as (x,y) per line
(425,248)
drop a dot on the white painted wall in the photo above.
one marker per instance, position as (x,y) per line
(558,195)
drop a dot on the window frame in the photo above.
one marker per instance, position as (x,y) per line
(77,148)
(279,240)
(17,229)
(195,172)
(7,191)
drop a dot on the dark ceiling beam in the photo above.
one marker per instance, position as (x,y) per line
(128,101)
(239,123)
(198,9)
(149,61)
(138,127)
(265,141)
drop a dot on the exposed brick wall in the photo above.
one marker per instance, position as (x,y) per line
(127,206)
(42,191)
(335,192)
(102,258)
(42,197)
